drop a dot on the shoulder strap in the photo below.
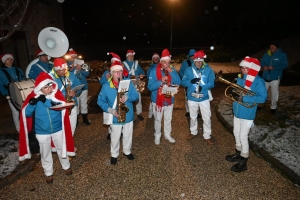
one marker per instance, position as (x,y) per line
(7,76)
(189,62)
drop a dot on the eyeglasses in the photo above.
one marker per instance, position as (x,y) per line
(47,87)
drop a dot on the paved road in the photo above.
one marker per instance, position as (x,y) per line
(184,170)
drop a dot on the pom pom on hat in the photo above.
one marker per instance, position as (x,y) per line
(115,57)
(59,64)
(5,56)
(165,55)
(199,56)
(42,80)
(116,66)
(191,52)
(130,52)
(155,55)
(254,68)
(72,52)
(39,53)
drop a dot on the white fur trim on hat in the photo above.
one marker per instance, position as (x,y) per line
(7,56)
(130,53)
(116,67)
(114,59)
(198,59)
(155,56)
(166,58)
(41,53)
(42,84)
(63,66)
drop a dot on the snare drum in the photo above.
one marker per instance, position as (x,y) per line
(18,92)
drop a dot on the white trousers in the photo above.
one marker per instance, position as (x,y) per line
(138,106)
(150,114)
(241,128)
(15,115)
(82,102)
(46,154)
(186,101)
(167,112)
(274,92)
(73,119)
(204,107)
(115,135)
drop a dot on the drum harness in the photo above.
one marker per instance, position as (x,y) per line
(9,77)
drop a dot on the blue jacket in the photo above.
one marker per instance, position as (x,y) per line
(259,88)
(153,65)
(137,70)
(81,75)
(107,97)
(103,78)
(4,82)
(278,60)
(36,70)
(184,66)
(47,121)
(207,81)
(154,84)
(62,85)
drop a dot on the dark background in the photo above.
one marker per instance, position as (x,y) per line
(95,27)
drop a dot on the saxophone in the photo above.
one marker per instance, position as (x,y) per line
(122,109)
(68,98)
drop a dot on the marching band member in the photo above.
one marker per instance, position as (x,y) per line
(164,73)
(155,61)
(184,65)
(66,81)
(107,101)
(40,66)
(134,69)
(199,79)
(81,75)
(50,125)
(8,74)
(244,116)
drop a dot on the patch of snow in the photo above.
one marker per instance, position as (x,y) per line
(8,156)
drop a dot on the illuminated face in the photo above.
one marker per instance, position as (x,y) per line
(155,60)
(198,64)
(72,58)
(61,72)
(244,70)
(165,63)
(130,57)
(8,62)
(117,74)
(44,58)
(273,48)
(47,89)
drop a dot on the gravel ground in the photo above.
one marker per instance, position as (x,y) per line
(184,170)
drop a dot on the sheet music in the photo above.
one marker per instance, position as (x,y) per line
(124,85)
(78,61)
(78,87)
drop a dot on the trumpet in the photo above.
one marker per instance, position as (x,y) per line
(85,67)
(235,89)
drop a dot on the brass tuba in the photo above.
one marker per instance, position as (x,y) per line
(122,109)
(236,89)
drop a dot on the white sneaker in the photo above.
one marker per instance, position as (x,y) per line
(168,137)
(157,140)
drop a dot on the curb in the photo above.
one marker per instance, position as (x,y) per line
(284,170)
(22,169)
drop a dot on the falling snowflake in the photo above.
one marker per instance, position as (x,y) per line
(124,37)
(216,8)
(212,48)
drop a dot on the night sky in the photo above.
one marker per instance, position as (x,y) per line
(95,27)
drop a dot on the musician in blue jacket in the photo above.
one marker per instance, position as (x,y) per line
(107,100)
(81,74)
(244,110)
(199,79)
(274,61)
(134,69)
(66,80)
(8,74)
(162,76)
(42,65)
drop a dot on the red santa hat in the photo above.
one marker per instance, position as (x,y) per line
(254,68)
(72,52)
(155,55)
(165,55)
(115,57)
(39,53)
(199,55)
(116,66)
(130,52)
(5,56)
(59,64)
(26,122)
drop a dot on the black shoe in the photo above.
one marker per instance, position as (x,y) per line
(140,117)
(234,157)
(130,156)
(273,111)
(108,136)
(187,114)
(113,160)
(240,166)
(85,119)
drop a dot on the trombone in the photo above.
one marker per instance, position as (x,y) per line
(235,89)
